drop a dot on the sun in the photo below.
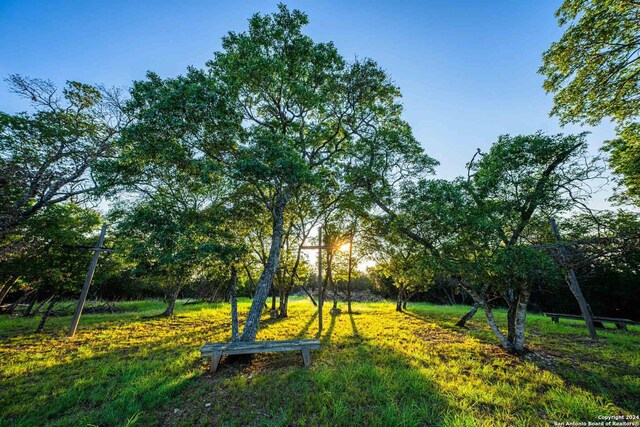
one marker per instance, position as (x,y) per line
(344,246)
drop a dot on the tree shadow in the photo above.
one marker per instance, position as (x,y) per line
(327,335)
(307,326)
(350,382)
(356,333)
(565,356)
(105,385)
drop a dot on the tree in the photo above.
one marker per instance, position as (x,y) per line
(50,266)
(594,73)
(475,229)
(303,108)
(46,157)
(170,243)
(277,113)
(518,179)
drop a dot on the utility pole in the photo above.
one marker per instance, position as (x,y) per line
(87,281)
(572,281)
(319,247)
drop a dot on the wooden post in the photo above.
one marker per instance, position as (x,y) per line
(87,284)
(234,304)
(320,298)
(350,268)
(572,281)
(319,247)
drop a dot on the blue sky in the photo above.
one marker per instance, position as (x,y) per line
(467,69)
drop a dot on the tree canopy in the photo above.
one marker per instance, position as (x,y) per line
(593,72)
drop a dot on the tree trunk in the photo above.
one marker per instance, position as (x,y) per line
(521,315)
(7,287)
(171,302)
(330,284)
(480,299)
(506,344)
(349,270)
(45,315)
(19,301)
(266,278)
(315,304)
(284,305)
(234,304)
(252,282)
(32,302)
(42,304)
(511,315)
(463,321)
(399,300)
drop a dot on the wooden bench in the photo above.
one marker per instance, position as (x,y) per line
(597,320)
(216,350)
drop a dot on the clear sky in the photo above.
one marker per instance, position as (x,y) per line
(467,69)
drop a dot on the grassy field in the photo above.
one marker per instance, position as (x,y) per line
(375,367)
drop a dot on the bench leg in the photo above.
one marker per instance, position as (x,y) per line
(621,326)
(555,319)
(215,360)
(306,356)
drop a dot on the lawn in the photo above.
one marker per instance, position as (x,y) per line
(375,367)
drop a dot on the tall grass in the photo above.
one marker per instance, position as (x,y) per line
(375,367)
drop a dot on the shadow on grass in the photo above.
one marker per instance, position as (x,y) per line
(327,335)
(350,382)
(305,329)
(106,388)
(574,359)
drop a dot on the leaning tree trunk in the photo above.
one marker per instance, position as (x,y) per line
(266,278)
(488,312)
(19,301)
(32,302)
(572,281)
(42,304)
(463,321)
(7,287)
(315,304)
(479,298)
(46,314)
(171,302)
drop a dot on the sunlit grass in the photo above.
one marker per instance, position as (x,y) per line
(376,367)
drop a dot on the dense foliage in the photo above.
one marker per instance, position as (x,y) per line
(594,74)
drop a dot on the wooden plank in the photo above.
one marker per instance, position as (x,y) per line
(242,343)
(217,350)
(253,350)
(595,318)
(620,324)
(260,347)
(259,344)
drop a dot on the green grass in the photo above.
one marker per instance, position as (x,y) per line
(375,367)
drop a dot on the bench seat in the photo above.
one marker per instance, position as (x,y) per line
(215,351)
(597,320)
